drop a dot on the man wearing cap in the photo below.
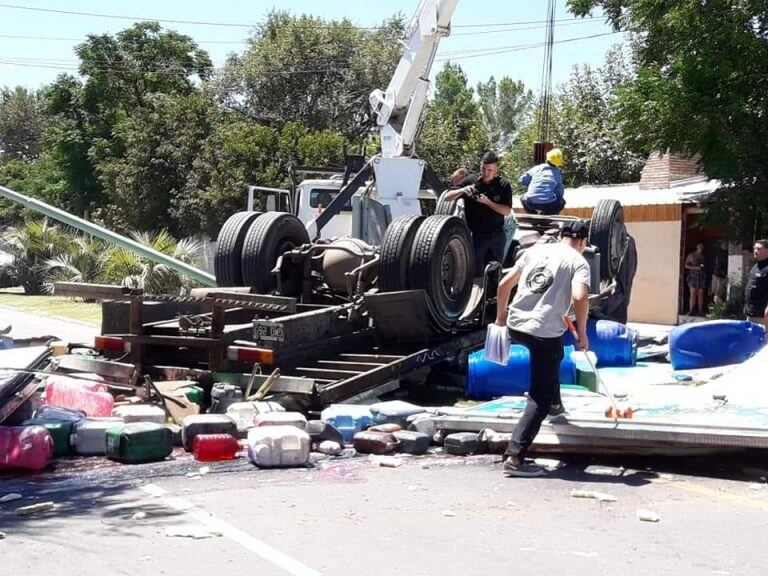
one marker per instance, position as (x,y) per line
(488,199)
(550,278)
(544,186)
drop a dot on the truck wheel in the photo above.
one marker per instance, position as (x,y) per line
(396,253)
(268,238)
(446,207)
(229,244)
(608,233)
(442,263)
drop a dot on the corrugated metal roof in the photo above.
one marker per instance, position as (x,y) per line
(688,191)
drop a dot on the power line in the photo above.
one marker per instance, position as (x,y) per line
(122,66)
(493,51)
(246,40)
(239,24)
(82,39)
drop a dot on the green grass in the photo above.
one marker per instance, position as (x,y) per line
(51,305)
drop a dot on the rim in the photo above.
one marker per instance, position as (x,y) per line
(617,245)
(453,268)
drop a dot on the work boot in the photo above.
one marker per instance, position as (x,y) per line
(514,467)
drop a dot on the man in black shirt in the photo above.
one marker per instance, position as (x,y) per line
(488,198)
(756,293)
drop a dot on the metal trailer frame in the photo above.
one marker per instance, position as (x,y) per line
(325,353)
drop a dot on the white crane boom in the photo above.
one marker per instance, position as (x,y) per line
(399,108)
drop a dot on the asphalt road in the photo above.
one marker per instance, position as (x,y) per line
(26,325)
(430,516)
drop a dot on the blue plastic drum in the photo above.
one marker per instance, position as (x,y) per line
(715,343)
(612,342)
(487,380)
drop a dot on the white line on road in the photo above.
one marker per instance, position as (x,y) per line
(265,551)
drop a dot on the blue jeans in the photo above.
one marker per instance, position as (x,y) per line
(548,209)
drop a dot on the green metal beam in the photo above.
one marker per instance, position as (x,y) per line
(100,232)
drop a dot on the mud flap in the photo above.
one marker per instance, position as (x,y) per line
(400,316)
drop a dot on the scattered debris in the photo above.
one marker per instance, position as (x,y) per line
(599,496)
(139,516)
(387,462)
(10,497)
(35,508)
(329,447)
(606,471)
(191,531)
(204,470)
(647,515)
(549,463)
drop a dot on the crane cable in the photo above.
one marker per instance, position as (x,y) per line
(546,73)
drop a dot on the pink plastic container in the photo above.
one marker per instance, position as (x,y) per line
(75,394)
(29,447)
(87,380)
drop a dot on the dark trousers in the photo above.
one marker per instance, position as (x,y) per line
(546,355)
(489,247)
(548,209)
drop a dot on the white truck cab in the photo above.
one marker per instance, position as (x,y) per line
(313,196)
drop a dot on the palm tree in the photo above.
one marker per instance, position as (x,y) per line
(32,245)
(129,269)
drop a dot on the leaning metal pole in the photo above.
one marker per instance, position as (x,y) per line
(100,232)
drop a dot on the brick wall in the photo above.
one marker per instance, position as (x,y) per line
(662,169)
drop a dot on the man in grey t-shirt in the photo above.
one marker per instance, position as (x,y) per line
(549,279)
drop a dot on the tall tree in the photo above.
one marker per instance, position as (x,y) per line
(119,74)
(453,133)
(21,123)
(161,141)
(586,124)
(312,71)
(504,107)
(702,87)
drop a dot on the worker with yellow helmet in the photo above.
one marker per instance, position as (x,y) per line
(544,186)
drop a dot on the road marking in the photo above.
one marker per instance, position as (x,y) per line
(265,551)
(721,495)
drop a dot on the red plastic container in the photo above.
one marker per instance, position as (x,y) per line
(214,447)
(29,447)
(90,397)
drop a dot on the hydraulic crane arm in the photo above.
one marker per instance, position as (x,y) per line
(399,108)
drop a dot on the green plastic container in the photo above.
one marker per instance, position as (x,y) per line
(59,431)
(194,394)
(139,442)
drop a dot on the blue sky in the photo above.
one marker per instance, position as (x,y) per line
(38,58)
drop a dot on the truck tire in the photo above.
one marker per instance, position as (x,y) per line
(396,253)
(442,263)
(446,207)
(268,238)
(229,244)
(608,233)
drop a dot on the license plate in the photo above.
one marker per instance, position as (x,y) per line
(269,332)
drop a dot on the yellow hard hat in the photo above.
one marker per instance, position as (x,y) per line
(555,156)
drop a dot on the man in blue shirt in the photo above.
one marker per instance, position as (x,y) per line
(544,183)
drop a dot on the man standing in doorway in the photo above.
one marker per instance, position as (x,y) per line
(550,278)
(756,293)
(488,201)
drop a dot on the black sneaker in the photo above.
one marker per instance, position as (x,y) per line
(513,468)
(557,409)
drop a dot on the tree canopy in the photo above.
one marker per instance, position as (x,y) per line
(701,88)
